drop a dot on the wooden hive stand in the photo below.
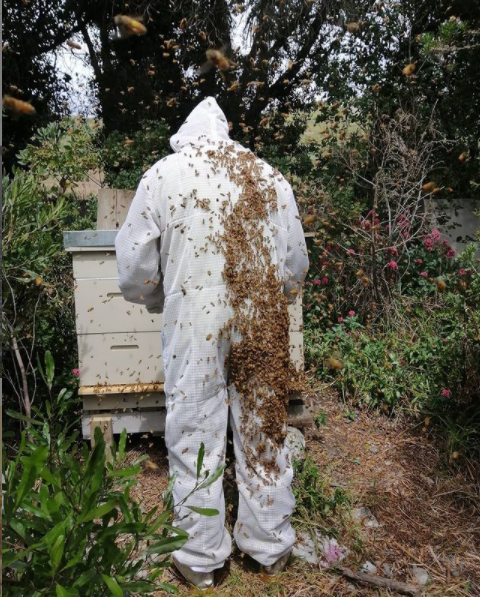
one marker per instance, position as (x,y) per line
(119,343)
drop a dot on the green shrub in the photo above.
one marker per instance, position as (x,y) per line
(70,525)
(37,280)
(64,151)
(427,359)
(126,159)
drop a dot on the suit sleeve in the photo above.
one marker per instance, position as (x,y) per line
(138,253)
(297,262)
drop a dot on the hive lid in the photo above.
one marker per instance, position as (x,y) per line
(73,239)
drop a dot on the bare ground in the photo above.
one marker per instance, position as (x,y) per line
(428,512)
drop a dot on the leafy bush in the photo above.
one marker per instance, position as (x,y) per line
(63,150)
(37,281)
(427,359)
(126,159)
(70,525)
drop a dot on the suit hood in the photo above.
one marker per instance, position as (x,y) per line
(205,124)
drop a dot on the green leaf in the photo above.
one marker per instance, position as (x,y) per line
(167,545)
(56,553)
(112,584)
(78,557)
(63,592)
(158,522)
(201,454)
(122,444)
(203,511)
(84,578)
(99,511)
(213,477)
(49,369)
(167,587)
(9,556)
(167,496)
(130,471)
(33,467)
(21,417)
(140,586)
(40,369)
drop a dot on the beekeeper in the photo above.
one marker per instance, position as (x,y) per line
(170,260)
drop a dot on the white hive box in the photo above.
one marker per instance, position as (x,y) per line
(119,343)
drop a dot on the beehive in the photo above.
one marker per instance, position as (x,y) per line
(119,343)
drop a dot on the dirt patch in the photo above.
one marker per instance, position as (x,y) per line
(428,515)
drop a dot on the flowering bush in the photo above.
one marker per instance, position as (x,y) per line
(427,358)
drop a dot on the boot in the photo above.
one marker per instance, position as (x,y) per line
(278,566)
(200,580)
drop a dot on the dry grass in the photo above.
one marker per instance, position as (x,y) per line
(429,515)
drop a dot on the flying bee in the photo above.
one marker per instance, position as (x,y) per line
(334,363)
(17,107)
(428,187)
(128,26)
(216,58)
(151,464)
(309,220)
(73,44)
(409,69)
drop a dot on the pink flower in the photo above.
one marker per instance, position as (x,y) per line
(392,265)
(451,253)
(317,282)
(308,284)
(424,274)
(333,553)
(446,393)
(435,235)
(428,243)
(366,225)
(325,280)
(406,234)
(444,340)
(418,260)
(76,372)
(462,272)
(393,251)
(351,313)
(340,320)
(350,251)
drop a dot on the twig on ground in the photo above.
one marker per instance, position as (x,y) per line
(379,581)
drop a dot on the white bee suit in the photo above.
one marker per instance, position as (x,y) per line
(164,256)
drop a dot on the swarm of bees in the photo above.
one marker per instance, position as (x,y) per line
(260,365)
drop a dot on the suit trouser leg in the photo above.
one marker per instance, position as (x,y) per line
(266,502)
(188,424)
